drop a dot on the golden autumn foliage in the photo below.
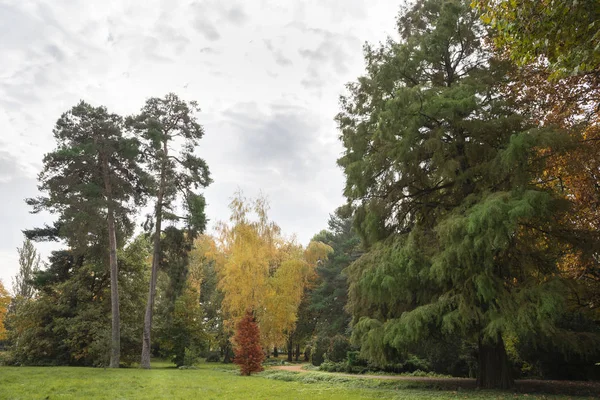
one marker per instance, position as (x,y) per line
(259,269)
(4,302)
(572,104)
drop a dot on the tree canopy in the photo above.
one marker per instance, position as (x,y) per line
(443,177)
(565,34)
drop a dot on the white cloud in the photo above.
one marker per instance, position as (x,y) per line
(266,73)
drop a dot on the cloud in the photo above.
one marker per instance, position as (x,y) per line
(9,167)
(210,14)
(280,58)
(327,55)
(279,142)
(236,15)
(267,75)
(206,28)
(281,149)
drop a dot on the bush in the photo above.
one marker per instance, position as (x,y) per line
(273,361)
(213,356)
(307,352)
(318,350)
(338,349)
(346,367)
(191,356)
(414,363)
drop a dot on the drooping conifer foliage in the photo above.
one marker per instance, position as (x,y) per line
(443,177)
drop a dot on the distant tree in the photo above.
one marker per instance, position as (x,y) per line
(93,181)
(29,264)
(170,135)
(262,271)
(178,312)
(330,296)
(211,298)
(4,303)
(248,350)
(68,322)
(564,33)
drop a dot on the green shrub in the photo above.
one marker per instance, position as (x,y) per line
(191,356)
(213,356)
(338,349)
(319,348)
(329,366)
(414,363)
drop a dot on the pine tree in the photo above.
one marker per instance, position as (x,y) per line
(443,179)
(171,133)
(248,351)
(93,182)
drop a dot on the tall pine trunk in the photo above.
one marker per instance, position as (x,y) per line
(146,340)
(494,367)
(115,343)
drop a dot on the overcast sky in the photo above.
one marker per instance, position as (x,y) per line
(266,73)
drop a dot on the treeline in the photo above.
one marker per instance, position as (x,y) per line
(469,244)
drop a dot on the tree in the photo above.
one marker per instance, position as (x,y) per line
(564,33)
(171,133)
(443,180)
(322,310)
(179,313)
(329,297)
(211,297)
(93,181)
(248,351)
(68,322)
(570,103)
(261,271)
(29,264)
(4,303)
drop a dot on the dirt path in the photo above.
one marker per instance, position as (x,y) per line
(523,385)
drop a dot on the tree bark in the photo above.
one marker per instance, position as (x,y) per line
(115,343)
(297,351)
(275,352)
(494,367)
(227,355)
(290,349)
(146,340)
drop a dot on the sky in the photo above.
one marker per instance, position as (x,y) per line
(267,75)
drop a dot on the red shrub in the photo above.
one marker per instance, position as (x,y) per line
(248,352)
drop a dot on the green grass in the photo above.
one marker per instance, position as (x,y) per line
(213,381)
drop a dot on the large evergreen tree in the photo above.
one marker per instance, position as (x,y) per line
(171,133)
(93,181)
(444,182)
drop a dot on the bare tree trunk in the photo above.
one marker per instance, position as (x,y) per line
(275,352)
(227,354)
(115,343)
(494,367)
(146,340)
(297,351)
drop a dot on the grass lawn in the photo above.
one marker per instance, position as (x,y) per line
(214,381)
